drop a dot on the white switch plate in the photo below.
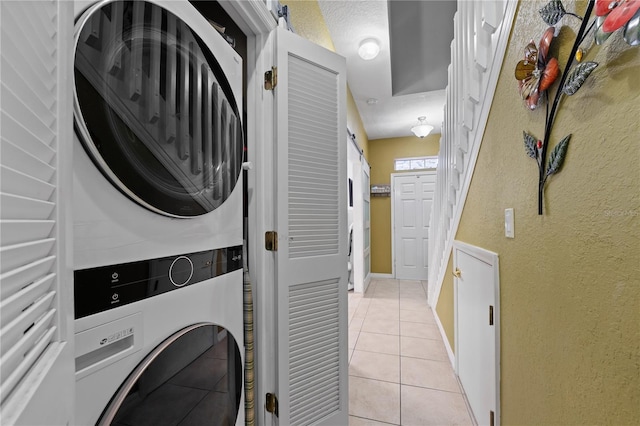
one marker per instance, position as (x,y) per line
(509,230)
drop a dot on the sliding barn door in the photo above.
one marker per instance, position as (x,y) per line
(311,211)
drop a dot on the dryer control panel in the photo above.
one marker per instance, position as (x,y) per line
(108,287)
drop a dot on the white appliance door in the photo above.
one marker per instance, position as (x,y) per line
(153,107)
(194,377)
(311,211)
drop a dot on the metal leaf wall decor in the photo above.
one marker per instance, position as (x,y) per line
(552,12)
(578,76)
(538,71)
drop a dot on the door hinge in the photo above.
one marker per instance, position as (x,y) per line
(271,78)
(271,240)
(272,403)
(490,314)
(492,418)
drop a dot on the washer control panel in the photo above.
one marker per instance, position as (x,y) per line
(108,287)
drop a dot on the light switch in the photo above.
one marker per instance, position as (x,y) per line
(509,230)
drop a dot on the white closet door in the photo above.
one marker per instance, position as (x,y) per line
(311,211)
(35,178)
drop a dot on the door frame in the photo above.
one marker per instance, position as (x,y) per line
(256,20)
(431,172)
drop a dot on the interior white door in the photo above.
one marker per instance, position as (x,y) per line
(36,276)
(477,336)
(311,220)
(412,199)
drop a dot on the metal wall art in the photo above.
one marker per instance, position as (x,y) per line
(537,71)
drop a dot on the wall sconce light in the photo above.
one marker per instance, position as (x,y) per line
(369,49)
(422,129)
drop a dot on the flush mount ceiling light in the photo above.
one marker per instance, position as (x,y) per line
(422,129)
(369,49)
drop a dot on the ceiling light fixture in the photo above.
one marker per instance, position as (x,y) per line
(369,49)
(422,129)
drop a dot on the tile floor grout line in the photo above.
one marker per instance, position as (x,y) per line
(399,360)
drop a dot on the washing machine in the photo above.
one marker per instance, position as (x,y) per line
(157,208)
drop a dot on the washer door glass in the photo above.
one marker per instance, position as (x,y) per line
(154,110)
(192,378)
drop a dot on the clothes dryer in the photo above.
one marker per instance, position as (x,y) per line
(157,205)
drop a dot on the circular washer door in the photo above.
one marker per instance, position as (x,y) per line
(154,110)
(192,378)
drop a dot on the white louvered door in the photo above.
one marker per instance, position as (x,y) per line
(36,363)
(311,211)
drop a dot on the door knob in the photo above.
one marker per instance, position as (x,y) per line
(457,273)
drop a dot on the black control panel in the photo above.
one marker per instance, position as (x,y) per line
(108,287)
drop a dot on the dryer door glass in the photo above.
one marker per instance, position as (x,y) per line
(154,110)
(192,378)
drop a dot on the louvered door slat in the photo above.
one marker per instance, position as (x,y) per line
(43,24)
(17,207)
(21,231)
(29,52)
(35,330)
(43,117)
(19,278)
(28,191)
(18,302)
(15,132)
(15,182)
(29,359)
(18,255)
(11,333)
(29,93)
(24,162)
(44,134)
(38,40)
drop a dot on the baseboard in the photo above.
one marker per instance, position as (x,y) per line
(452,357)
(386,276)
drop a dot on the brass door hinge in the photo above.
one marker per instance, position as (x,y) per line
(272,403)
(271,240)
(271,78)
(490,314)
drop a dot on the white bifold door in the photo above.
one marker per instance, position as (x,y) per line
(311,221)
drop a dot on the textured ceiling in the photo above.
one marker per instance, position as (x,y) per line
(408,77)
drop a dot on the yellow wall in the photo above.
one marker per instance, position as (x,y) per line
(308,22)
(444,307)
(570,280)
(382,153)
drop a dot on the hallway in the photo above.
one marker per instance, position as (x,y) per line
(399,371)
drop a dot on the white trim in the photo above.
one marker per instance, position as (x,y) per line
(485,255)
(252,16)
(478,135)
(374,275)
(447,346)
(258,23)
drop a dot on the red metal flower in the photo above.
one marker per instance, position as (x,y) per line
(536,72)
(613,15)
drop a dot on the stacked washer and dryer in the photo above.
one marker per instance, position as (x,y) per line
(157,217)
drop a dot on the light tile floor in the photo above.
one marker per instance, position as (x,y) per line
(399,371)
